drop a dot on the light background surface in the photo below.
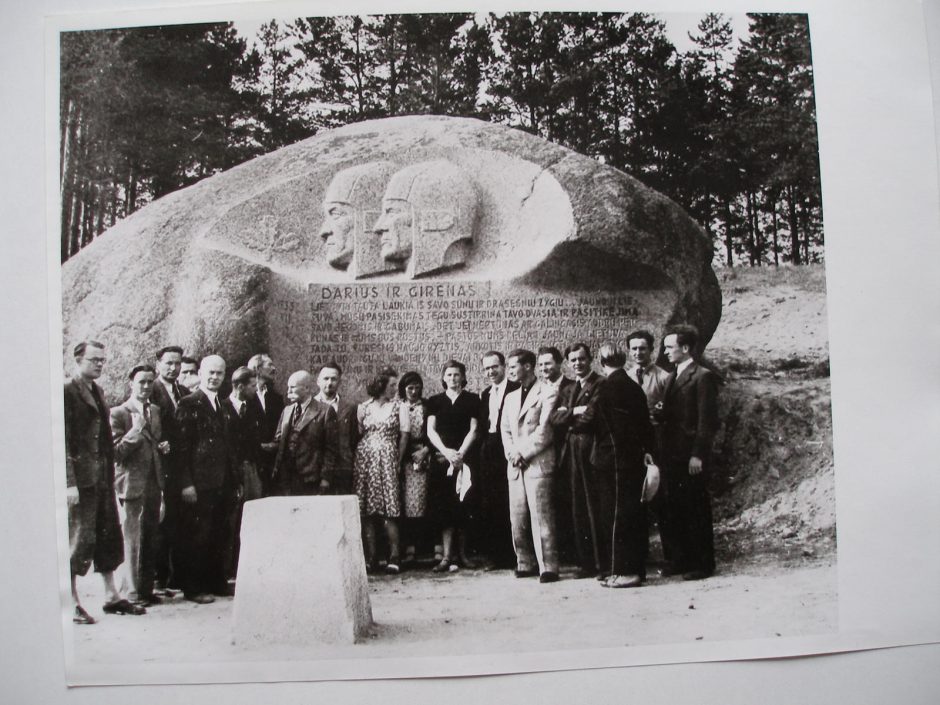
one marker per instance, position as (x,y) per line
(879,175)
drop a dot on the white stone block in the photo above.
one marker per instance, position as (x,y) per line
(301,573)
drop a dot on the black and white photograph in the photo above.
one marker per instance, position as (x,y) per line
(408,343)
(454,333)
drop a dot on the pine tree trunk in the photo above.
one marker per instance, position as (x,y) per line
(729,249)
(773,212)
(794,230)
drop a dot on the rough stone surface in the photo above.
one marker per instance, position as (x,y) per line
(301,575)
(401,241)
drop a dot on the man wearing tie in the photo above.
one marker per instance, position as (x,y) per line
(347,426)
(494,529)
(591,496)
(206,472)
(139,449)
(269,405)
(94,528)
(306,441)
(530,454)
(166,394)
(690,421)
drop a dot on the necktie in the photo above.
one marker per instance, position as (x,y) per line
(577,390)
(147,414)
(176,394)
(241,410)
(294,415)
(639,376)
(218,409)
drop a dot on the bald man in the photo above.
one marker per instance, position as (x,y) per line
(306,438)
(206,474)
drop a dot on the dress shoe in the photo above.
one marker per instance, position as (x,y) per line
(582,574)
(695,575)
(224,591)
(200,598)
(548,577)
(525,573)
(81,616)
(669,570)
(122,606)
(148,600)
(623,581)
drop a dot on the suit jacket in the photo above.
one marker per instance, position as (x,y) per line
(135,450)
(623,431)
(309,449)
(526,429)
(690,413)
(270,414)
(205,457)
(485,408)
(347,430)
(89,456)
(246,431)
(564,419)
(161,398)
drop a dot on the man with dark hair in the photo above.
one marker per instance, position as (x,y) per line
(139,447)
(189,375)
(245,421)
(690,421)
(347,426)
(493,530)
(206,472)
(166,395)
(530,453)
(94,528)
(548,364)
(652,379)
(575,418)
(268,404)
(306,441)
(623,446)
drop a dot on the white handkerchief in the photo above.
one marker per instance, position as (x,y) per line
(464,483)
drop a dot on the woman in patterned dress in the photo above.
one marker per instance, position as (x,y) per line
(452,428)
(417,457)
(383,428)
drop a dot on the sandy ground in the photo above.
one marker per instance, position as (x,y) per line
(421,614)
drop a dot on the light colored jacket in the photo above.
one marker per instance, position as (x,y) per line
(526,429)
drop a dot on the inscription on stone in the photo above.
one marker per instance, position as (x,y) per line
(419,325)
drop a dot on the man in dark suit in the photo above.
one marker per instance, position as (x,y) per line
(94,528)
(347,426)
(592,500)
(139,449)
(245,421)
(624,444)
(690,421)
(306,441)
(206,472)
(548,363)
(493,528)
(166,394)
(269,404)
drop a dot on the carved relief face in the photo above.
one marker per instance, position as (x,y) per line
(338,233)
(395,229)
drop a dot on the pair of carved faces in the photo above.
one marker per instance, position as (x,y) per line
(424,216)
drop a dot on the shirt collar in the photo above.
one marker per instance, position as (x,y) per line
(211,395)
(682,365)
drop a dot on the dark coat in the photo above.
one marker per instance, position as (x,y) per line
(89,453)
(623,431)
(307,452)
(690,414)
(563,417)
(205,454)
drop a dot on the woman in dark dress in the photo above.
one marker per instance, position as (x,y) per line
(452,428)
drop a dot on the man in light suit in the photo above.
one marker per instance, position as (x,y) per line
(347,426)
(207,473)
(690,421)
(306,441)
(139,449)
(530,454)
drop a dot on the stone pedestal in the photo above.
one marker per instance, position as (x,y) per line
(301,573)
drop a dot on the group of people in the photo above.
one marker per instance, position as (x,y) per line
(538,470)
